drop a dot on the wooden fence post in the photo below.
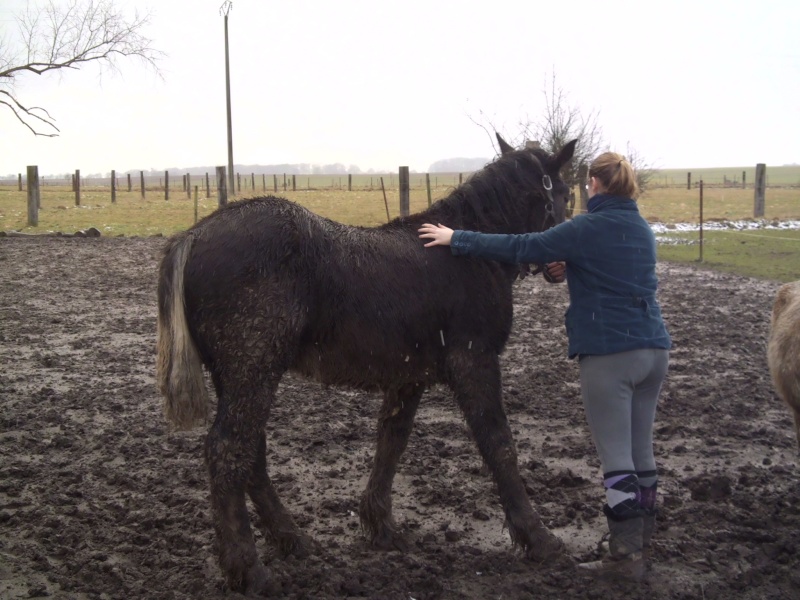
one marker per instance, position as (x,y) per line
(253,181)
(113,186)
(166,185)
(760,190)
(195,204)
(239,183)
(701,220)
(129,182)
(385,201)
(77,187)
(404,192)
(349,182)
(275,182)
(294,183)
(284,182)
(188,185)
(141,182)
(428,185)
(744,178)
(689,180)
(208,187)
(33,196)
(222,187)
(263,182)
(19,181)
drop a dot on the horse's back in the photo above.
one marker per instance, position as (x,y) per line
(351,305)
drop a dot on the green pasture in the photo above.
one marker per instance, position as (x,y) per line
(776,176)
(133,215)
(762,253)
(769,254)
(679,205)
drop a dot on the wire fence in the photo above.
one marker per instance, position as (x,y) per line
(246,182)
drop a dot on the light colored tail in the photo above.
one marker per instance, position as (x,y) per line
(179,370)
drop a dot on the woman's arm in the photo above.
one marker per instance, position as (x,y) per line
(555,244)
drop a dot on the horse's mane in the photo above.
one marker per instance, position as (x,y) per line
(496,198)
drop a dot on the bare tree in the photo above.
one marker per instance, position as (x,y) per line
(645,172)
(66,35)
(561,123)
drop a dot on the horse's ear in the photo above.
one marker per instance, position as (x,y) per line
(505,148)
(565,154)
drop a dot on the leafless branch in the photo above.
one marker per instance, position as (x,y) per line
(489,128)
(31,112)
(56,36)
(645,172)
(562,122)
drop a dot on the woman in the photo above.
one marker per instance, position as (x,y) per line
(616,331)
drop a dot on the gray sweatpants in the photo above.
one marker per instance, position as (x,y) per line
(620,394)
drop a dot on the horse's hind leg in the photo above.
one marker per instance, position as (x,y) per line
(394,426)
(475,379)
(276,521)
(230,453)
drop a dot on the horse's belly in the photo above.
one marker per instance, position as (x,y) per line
(365,368)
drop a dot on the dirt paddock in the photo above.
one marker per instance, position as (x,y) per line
(99,500)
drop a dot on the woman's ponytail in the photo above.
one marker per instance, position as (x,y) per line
(615,174)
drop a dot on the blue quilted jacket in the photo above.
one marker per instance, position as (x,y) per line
(611,273)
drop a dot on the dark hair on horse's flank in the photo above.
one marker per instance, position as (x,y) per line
(264,286)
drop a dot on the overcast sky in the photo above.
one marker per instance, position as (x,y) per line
(379,84)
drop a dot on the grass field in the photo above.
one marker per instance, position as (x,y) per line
(776,176)
(763,253)
(767,254)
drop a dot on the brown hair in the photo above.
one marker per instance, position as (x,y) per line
(615,174)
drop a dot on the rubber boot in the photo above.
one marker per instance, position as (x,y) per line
(625,559)
(648,527)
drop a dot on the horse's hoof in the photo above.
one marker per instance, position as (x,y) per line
(390,540)
(299,547)
(258,583)
(547,547)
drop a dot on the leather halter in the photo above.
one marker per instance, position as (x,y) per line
(549,213)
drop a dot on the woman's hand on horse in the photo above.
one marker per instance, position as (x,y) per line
(438,234)
(557,271)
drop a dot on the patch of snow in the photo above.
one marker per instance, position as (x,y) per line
(659,228)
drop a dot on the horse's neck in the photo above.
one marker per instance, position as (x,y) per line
(465,217)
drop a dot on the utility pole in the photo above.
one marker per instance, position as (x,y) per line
(224,10)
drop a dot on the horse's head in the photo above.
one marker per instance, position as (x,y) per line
(547,198)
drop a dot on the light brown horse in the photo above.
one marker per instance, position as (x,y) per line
(783,350)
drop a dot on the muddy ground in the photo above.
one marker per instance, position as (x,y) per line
(99,500)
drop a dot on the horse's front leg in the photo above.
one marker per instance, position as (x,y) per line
(475,379)
(395,422)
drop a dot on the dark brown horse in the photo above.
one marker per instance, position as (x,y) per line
(264,286)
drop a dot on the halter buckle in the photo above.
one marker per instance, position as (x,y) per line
(547,182)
